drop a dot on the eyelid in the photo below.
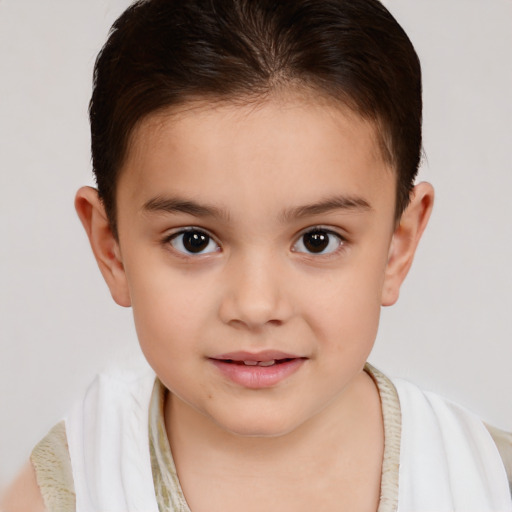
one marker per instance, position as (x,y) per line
(322,227)
(330,231)
(186,229)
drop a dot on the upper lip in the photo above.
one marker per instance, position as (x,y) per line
(263,356)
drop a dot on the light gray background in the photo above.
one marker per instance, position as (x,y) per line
(451,330)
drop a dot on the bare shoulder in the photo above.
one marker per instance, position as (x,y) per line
(23,495)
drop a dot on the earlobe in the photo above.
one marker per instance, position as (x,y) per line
(103,243)
(405,241)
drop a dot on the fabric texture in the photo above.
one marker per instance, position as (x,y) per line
(503,442)
(108,441)
(157,472)
(392,419)
(169,496)
(448,459)
(52,465)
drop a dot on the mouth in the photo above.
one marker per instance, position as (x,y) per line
(253,362)
(257,370)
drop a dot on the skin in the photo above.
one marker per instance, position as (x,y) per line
(23,495)
(261,178)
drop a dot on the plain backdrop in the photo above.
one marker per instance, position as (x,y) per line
(451,330)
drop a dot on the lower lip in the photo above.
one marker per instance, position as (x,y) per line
(258,377)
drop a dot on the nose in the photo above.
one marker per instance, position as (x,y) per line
(255,293)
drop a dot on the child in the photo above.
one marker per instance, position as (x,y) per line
(255,163)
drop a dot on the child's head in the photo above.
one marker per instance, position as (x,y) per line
(253,158)
(163,54)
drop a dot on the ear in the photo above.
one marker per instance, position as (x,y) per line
(104,245)
(405,241)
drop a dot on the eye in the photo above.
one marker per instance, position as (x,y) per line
(318,241)
(193,241)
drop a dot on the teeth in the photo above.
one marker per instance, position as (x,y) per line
(260,363)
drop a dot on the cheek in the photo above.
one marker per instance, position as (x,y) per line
(347,307)
(168,312)
(351,320)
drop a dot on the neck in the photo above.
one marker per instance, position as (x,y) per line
(345,423)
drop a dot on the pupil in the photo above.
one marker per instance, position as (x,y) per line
(195,241)
(316,241)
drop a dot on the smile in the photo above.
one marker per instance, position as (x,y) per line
(257,371)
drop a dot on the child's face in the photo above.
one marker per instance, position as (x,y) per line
(257,234)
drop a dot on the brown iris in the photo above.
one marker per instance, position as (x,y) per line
(195,241)
(316,241)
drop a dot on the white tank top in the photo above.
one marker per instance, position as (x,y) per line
(448,460)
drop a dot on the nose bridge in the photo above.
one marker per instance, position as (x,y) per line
(255,294)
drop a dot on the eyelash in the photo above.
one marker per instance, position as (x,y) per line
(341,242)
(168,240)
(183,251)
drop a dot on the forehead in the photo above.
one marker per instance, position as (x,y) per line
(277,149)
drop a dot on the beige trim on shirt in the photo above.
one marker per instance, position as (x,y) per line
(52,465)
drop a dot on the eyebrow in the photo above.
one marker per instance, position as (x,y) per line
(350,203)
(177,205)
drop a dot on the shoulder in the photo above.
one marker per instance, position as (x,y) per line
(46,482)
(465,440)
(52,465)
(24,495)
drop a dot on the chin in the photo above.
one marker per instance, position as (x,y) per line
(260,426)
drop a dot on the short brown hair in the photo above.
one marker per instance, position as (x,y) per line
(163,53)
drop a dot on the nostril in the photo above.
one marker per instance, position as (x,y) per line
(254,325)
